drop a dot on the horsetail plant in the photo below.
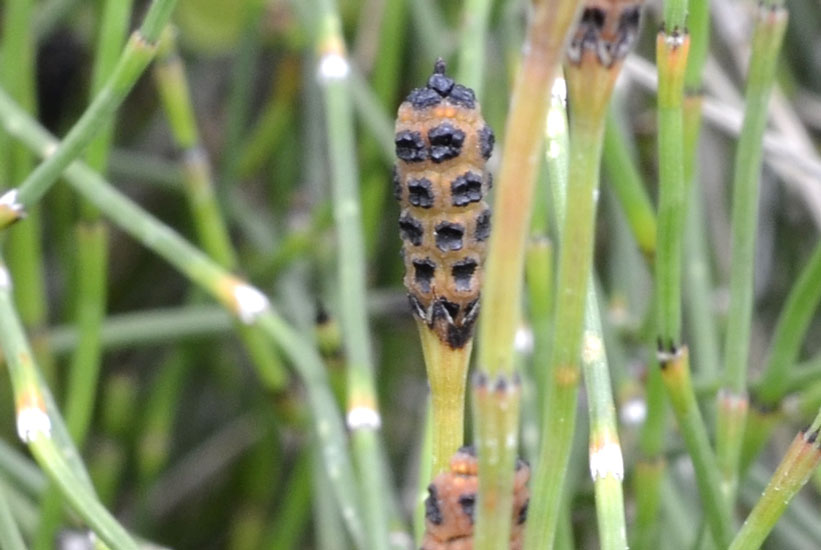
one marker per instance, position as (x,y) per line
(442,144)
(198,185)
(363,418)
(41,428)
(138,53)
(605,455)
(547,34)
(241,299)
(770,25)
(799,463)
(597,49)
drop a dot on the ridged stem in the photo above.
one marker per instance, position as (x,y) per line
(675,372)
(771,23)
(198,185)
(795,469)
(548,28)
(41,428)
(605,456)
(238,297)
(136,56)
(362,402)
(627,184)
(589,85)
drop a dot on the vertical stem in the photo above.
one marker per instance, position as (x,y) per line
(590,81)
(671,58)
(524,134)
(472,44)
(363,416)
(771,22)
(24,248)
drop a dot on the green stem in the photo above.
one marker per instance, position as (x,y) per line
(243,300)
(496,402)
(10,536)
(589,88)
(137,54)
(24,249)
(211,228)
(768,34)
(671,58)
(549,24)
(628,186)
(362,402)
(39,425)
(790,331)
(472,44)
(606,462)
(792,474)
(675,372)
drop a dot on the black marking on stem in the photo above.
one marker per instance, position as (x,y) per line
(410,146)
(433,513)
(522,517)
(466,189)
(410,229)
(445,142)
(462,272)
(449,236)
(483,225)
(397,184)
(420,193)
(468,503)
(423,271)
(486,142)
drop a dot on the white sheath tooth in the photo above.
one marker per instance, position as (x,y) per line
(363,418)
(333,66)
(251,303)
(607,460)
(32,421)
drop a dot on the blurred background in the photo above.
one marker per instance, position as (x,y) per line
(185,444)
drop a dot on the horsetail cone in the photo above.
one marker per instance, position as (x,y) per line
(440,180)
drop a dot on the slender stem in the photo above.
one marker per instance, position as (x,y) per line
(590,84)
(211,228)
(524,134)
(771,22)
(790,331)
(137,54)
(447,369)
(628,186)
(606,462)
(24,249)
(496,402)
(671,58)
(241,299)
(792,474)
(362,402)
(675,372)
(549,24)
(10,536)
(698,285)
(472,44)
(39,425)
